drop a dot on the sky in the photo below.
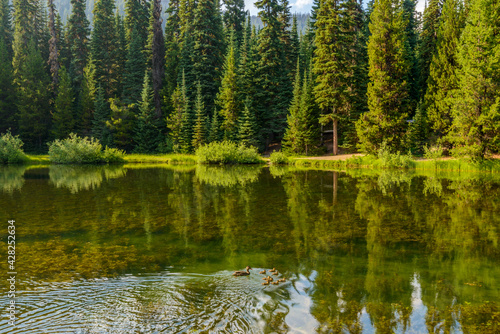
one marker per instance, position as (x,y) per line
(304,6)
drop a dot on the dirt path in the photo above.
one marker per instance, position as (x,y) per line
(334,157)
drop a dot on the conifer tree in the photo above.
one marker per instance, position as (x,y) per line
(33,100)
(294,43)
(78,42)
(172,53)
(147,134)
(215,133)
(234,18)
(208,49)
(121,124)
(134,70)
(427,43)
(411,27)
(227,98)
(156,45)
(104,47)
(24,32)
(174,119)
(246,130)
(7,92)
(63,121)
(200,120)
(475,129)
(102,113)
(61,35)
(388,90)
(136,18)
(418,131)
(293,139)
(86,100)
(5,25)
(442,81)
(53,46)
(121,54)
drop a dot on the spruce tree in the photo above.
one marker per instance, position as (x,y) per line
(475,130)
(174,119)
(147,134)
(53,46)
(227,98)
(156,47)
(293,139)
(246,132)
(134,70)
(33,100)
(102,113)
(78,42)
(234,18)
(136,18)
(208,49)
(63,121)
(120,54)
(199,127)
(86,100)
(172,53)
(388,90)
(215,133)
(427,43)
(7,92)
(411,27)
(104,46)
(121,124)
(5,25)
(442,81)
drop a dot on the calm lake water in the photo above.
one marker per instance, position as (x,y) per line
(138,249)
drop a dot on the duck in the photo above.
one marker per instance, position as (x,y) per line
(276,273)
(262,272)
(242,273)
(265,283)
(272,270)
(265,278)
(275,283)
(269,278)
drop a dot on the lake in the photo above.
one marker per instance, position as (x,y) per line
(151,249)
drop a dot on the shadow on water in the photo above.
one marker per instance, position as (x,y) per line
(124,249)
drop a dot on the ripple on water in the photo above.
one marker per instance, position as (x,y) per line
(168,303)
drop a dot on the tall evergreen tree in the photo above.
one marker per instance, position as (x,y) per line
(78,41)
(63,121)
(104,47)
(215,133)
(208,49)
(147,134)
(411,29)
(442,81)
(234,18)
(136,18)
(120,54)
(475,130)
(388,90)
(134,70)
(172,53)
(293,139)
(86,100)
(53,46)
(33,100)
(247,125)
(102,113)
(427,43)
(199,126)
(156,45)
(8,109)
(5,24)
(227,98)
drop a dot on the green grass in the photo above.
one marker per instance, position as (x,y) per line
(36,159)
(161,158)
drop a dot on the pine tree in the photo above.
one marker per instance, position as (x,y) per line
(33,100)
(24,32)
(418,131)
(78,42)
(294,43)
(134,70)
(475,129)
(120,54)
(411,28)
(234,18)
(293,138)
(63,122)
(53,46)
(5,25)
(227,98)
(102,113)
(246,131)
(121,124)
(156,47)
(104,47)
(174,120)
(200,120)
(208,49)
(7,92)
(147,134)
(172,53)
(442,81)
(388,90)
(136,18)
(86,100)
(427,43)
(215,133)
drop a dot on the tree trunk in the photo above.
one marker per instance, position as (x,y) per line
(335,137)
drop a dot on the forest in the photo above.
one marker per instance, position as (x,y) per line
(370,77)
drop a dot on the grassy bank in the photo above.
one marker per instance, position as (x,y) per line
(161,158)
(443,164)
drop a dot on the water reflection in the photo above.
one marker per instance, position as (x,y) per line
(364,251)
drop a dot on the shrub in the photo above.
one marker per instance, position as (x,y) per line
(393,160)
(433,152)
(11,151)
(227,152)
(82,151)
(279,158)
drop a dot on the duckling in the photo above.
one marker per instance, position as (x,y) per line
(242,273)
(262,272)
(265,283)
(265,278)
(276,273)
(272,270)
(275,283)
(283,279)
(269,278)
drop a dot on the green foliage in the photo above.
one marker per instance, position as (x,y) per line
(279,158)
(78,41)
(7,91)
(388,90)
(199,128)
(121,125)
(82,151)
(215,133)
(134,69)
(102,113)
(11,149)
(227,152)
(247,127)
(147,134)
(86,100)
(433,152)
(418,131)
(63,121)
(393,160)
